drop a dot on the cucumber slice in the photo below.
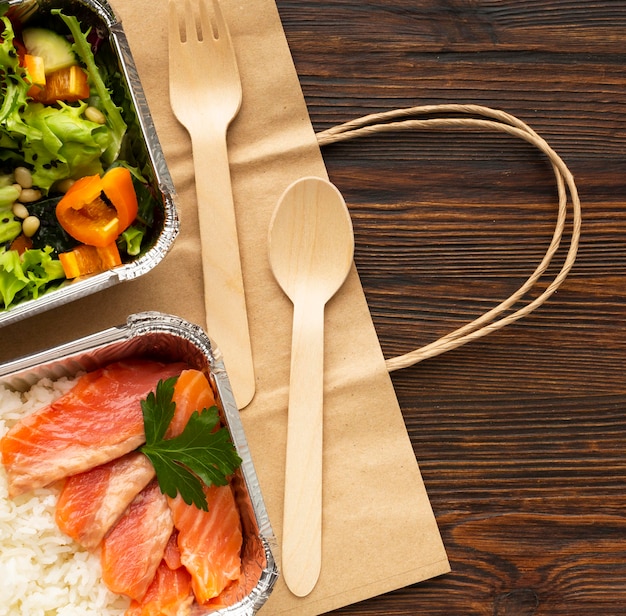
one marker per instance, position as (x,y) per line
(55,50)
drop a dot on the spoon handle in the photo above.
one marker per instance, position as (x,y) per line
(302,523)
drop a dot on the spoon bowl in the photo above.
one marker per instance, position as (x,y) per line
(311,249)
(311,241)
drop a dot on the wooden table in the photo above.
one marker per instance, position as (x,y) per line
(520,436)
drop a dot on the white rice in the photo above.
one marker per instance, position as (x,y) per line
(42,571)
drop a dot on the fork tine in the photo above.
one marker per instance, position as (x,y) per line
(182,22)
(217,27)
(222,28)
(206,25)
(174,35)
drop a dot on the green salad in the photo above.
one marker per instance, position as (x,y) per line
(62,132)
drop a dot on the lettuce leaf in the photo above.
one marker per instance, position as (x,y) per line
(27,276)
(8,195)
(14,91)
(10,226)
(111,111)
(12,278)
(41,269)
(131,239)
(68,145)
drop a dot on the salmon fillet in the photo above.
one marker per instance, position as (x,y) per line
(209,541)
(169,594)
(97,421)
(133,549)
(192,392)
(91,502)
(171,557)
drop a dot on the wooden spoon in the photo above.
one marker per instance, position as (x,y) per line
(311,247)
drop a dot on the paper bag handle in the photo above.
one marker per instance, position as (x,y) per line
(477,118)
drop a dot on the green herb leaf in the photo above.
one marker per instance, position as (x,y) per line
(202,454)
(158,411)
(174,478)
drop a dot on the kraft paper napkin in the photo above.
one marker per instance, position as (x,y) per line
(379,531)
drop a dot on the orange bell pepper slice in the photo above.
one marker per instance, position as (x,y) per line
(85,215)
(68,84)
(92,218)
(117,185)
(84,260)
(36,73)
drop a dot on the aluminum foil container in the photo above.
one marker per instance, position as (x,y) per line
(168,338)
(146,149)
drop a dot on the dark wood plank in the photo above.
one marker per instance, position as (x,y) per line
(521,436)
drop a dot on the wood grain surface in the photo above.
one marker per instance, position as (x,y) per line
(520,436)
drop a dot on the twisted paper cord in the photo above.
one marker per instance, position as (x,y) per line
(405,119)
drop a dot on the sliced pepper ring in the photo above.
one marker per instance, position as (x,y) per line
(117,185)
(93,219)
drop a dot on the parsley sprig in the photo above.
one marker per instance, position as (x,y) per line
(200,454)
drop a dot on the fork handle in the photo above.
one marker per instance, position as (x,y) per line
(224,297)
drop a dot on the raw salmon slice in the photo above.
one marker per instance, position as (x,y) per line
(97,421)
(192,392)
(134,547)
(91,502)
(171,557)
(169,594)
(209,541)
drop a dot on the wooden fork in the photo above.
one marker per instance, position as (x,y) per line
(205,94)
